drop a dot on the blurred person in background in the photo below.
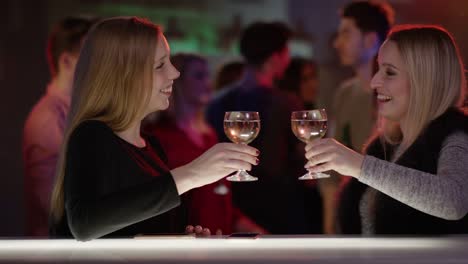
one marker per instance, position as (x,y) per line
(332,73)
(228,74)
(277,201)
(44,127)
(184,135)
(363,27)
(301,79)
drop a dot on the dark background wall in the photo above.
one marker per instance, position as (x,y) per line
(22,71)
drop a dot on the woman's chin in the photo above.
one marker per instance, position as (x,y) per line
(162,106)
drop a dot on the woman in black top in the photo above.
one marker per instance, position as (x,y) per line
(111,179)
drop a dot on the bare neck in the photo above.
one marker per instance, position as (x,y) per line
(63,83)
(263,77)
(364,74)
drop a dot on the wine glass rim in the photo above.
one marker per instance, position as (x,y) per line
(312,110)
(246,115)
(241,112)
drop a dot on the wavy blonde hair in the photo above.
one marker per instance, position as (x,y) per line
(437,79)
(112,83)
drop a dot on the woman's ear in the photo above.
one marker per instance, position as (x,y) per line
(66,62)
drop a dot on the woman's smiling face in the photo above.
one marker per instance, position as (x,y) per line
(391,83)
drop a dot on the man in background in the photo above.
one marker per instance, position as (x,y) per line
(277,201)
(363,27)
(44,127)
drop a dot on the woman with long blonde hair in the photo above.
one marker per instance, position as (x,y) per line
(414,177)
(111,179)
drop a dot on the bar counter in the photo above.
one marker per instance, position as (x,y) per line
(265,249)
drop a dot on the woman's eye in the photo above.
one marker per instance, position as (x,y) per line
(160,66)
(390,73)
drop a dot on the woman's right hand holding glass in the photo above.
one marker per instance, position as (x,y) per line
(220,160)
(329,154)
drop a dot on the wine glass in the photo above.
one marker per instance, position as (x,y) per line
(241,127)
(307,126)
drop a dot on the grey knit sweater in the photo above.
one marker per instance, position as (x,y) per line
(443,195)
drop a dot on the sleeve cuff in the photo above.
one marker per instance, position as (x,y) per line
(368,170)
(172,192)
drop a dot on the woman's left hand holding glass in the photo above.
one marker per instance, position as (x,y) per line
(328,154)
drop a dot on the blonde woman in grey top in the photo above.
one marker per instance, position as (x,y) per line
(416,171)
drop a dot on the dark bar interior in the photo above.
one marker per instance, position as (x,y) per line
(212,30)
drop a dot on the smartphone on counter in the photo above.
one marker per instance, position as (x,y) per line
(165,236)
(244,235)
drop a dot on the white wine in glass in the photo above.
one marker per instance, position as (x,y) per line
(308,126)
(241,128)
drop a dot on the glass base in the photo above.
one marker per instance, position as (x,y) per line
(314,176)
(242,176)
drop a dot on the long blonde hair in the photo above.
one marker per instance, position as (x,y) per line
(436,75)
(112,83)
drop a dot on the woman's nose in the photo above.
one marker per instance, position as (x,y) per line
(375,81)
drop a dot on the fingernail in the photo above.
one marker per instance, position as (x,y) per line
(257,152)
(256,161)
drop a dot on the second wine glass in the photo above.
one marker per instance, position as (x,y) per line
(241,127)
(307,126)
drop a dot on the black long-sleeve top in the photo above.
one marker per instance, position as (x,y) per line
(113,188)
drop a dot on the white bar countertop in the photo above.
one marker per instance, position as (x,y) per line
(265,249)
